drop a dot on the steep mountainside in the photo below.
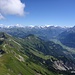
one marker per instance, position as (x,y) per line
(52,55)
(68,37)
(33,56)
(14,62)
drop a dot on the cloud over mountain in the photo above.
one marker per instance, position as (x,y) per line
(11,7)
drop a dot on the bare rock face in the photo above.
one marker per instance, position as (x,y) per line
(60,65)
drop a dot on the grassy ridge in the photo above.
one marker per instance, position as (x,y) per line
(15,62)
(29,56)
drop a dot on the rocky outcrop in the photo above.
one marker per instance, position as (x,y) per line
(60,65)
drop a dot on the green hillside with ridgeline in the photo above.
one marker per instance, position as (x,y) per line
(33,56)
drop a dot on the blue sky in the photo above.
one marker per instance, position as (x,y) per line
(44,12)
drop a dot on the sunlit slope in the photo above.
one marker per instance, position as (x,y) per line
(14,62)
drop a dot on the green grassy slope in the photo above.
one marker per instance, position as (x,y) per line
(16,62)
(31,56)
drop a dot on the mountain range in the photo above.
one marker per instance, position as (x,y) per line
(37,51)
(44,32)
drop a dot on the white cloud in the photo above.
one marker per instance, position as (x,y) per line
(1,16)
(12,7)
